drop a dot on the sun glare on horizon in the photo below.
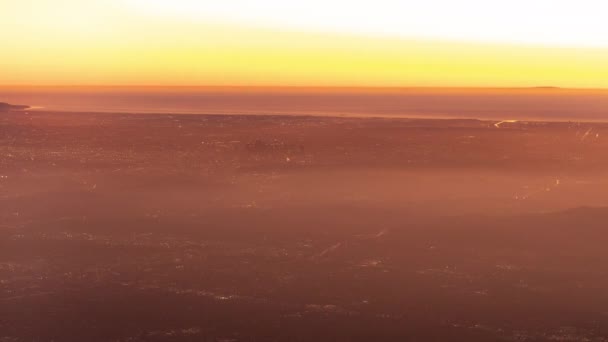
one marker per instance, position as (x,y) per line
(561,23)
(312,43)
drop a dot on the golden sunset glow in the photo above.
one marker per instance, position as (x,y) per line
(319,43)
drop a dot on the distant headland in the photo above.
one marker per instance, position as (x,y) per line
(5,107)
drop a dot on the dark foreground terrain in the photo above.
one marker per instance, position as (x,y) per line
(266,228)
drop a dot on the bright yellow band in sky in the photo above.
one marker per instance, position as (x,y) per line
(116,42)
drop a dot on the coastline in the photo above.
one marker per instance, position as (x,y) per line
(403,117)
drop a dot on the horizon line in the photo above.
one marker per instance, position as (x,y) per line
(328,87)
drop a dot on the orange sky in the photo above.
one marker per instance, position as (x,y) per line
(131,42)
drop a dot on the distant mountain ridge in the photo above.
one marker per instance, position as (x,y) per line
(5,107)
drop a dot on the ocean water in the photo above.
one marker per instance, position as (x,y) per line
(494,104)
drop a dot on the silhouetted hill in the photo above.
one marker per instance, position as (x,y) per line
(5,107)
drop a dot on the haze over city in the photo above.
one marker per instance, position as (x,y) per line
(303,171)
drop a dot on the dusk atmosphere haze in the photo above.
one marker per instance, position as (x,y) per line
(385,43)
(197,170)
